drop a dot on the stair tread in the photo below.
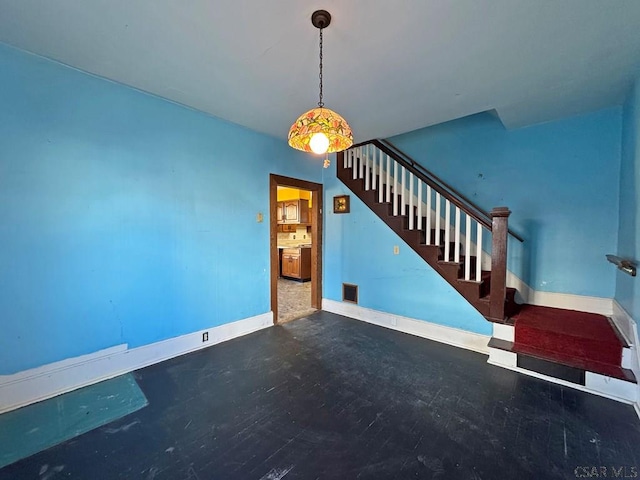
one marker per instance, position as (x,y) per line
(566,322)
(567,334)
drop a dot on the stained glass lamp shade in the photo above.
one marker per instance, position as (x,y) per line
(320,130)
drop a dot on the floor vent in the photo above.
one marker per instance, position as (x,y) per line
(349,293)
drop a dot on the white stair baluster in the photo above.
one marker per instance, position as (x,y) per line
(367,168)
(354,163)
(428,239)
(403,186)
(411,214)
(388,177)
(419,204)
(438,213)
(447,230)
(395,188)
(456,254)
(467,248)
(479,254)
(361,155)
(380,179)
(374,167)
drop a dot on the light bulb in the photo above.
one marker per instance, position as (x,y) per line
(319,142)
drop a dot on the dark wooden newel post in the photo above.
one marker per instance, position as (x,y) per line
(499,232)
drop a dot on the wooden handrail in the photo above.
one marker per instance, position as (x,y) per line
(436,183)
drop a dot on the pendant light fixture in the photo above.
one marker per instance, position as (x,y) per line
(320,130)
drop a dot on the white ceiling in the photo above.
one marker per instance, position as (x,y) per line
(390,66)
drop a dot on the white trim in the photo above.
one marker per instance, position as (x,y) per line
(34,385)
(522,289)
(629,358)
(420,328)
(625,323)
(568,301)
(629,330)
(504,332)
(603,306)
(502,358)
(614,387)
(594,383)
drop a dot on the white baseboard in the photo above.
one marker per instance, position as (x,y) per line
(568,301)
(420,328)
(583,303)
(47,381)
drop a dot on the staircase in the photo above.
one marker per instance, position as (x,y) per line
(468,248)
(450,233)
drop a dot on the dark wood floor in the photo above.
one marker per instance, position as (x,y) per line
(327,397)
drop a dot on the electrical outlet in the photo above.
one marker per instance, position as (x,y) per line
(205,337)
(294,236)
(396,250)
(259,218)
(394,321)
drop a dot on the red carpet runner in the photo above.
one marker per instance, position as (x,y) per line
(577,339)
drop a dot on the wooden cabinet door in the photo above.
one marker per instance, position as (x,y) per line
(295,266)
(280,212)
(292,211)
(285,266)
(291,263)
(305,215)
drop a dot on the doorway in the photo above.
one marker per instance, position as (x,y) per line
(295,247)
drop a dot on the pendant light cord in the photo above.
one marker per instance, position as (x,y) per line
(320,103)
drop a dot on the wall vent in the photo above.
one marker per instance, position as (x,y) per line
(349,293)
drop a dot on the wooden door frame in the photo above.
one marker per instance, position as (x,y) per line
(316,237)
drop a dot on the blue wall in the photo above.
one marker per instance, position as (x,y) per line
(125,218)
(560,180)
(627,287)
(358,249)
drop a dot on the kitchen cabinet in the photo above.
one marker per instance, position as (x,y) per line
(296,263)
(293,211)
(280,212)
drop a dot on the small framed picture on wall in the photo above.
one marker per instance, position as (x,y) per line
(341,204)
